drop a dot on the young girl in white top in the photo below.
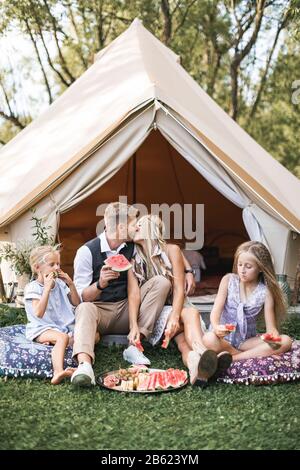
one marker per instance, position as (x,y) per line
(48,304)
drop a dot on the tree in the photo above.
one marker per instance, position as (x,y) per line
(230,47)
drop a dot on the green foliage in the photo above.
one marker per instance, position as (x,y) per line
(18,254)
(215,40)
(11,316)
(276,126)
(40,233)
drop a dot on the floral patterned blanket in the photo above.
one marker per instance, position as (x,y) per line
(20,357)
(265,370)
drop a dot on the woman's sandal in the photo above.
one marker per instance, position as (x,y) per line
(224,362)
(207,365)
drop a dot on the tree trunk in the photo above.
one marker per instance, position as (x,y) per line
(165,7)
(2,290)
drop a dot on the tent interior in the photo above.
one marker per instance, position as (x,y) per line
(158,174)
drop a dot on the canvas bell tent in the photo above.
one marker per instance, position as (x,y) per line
(136,124)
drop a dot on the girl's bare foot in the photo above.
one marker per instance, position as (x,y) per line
(193,360)
(60,376)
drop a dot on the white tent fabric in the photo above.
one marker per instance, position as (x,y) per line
(192,150)
(91,130)
(91,175)
(86,180)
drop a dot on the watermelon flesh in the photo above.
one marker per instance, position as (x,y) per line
(166,341)
(230,327)
(118,263)
(138,345)
(269,338)
(161,380)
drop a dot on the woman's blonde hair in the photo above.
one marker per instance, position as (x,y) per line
(39,254)
(152,231)
(267,273)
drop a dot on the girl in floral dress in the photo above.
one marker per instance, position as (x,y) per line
(242,295)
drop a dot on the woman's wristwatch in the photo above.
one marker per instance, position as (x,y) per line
(98,285)
(189,271)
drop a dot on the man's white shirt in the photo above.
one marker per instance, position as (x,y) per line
(83,263)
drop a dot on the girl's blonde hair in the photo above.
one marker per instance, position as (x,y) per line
(267,273)
(39,254)
(152,231)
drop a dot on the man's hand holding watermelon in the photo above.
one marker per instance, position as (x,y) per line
(106,275)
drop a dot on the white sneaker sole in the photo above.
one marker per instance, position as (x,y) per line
(82,380)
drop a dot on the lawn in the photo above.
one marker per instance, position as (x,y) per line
(36,415)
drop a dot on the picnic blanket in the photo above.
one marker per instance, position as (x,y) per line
(20,357)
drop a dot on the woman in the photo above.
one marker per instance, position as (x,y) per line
(154,257)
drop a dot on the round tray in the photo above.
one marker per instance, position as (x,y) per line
(101,377)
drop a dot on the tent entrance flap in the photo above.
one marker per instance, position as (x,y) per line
(157,174)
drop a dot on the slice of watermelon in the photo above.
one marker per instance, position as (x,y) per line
(166,341)
(230,327)
(181,376)
(161,383)
(172,378)
(138,345)
(152,381)
(118,263)
(269,338)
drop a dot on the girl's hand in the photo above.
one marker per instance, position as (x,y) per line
(49,281)
(134,335)
(220,331)
(65,277)
(274,332)
(172,326)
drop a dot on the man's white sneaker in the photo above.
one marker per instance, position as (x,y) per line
(134,356)
(83,376)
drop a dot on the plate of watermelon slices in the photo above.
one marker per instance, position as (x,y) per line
(141,379)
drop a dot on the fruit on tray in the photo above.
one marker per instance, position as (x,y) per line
(142,379)
(118,263)
(111,381)
(162,380)
(137,368)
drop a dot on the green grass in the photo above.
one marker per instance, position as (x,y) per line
(36,415)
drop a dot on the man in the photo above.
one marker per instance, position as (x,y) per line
(105,306)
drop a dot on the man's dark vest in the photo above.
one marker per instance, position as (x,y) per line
(117,288)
